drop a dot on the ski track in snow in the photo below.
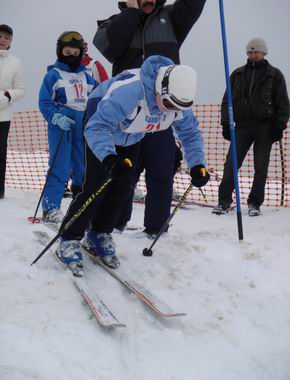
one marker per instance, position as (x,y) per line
(235,294)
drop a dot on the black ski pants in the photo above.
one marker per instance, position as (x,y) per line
(103,213)
(157,157)
(4,130)
(261,136)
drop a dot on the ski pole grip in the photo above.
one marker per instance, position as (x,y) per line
(203,172)
(128,162)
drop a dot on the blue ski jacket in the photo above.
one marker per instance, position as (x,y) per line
(122,109)
(65,91)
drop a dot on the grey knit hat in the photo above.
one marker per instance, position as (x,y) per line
(257,44)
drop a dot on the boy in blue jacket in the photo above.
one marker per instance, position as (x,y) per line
(62,101)
(121,111)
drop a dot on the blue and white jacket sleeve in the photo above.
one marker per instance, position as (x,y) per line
(112,110)
(187,129)
(46,101)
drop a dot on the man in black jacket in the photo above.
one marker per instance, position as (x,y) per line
(144,28)
(261,113)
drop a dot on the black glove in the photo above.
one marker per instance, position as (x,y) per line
(199,176)
(117,167)
(277,134)
(178,158)
(226,132)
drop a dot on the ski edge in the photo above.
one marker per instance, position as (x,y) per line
(101,312)
(160,307)
(147,297)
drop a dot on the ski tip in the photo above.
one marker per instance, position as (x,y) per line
(176,315)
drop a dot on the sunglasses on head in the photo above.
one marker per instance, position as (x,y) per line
(68,37)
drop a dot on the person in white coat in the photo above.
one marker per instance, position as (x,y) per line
(11,89)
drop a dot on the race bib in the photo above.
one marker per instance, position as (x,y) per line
(76,89)
(143,121)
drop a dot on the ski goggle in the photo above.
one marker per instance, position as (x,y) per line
(70,36)
(170,102)
(168,105)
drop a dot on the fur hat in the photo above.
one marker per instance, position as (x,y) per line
(257,44)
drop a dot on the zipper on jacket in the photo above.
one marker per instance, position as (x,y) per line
(252,80)
(143,32)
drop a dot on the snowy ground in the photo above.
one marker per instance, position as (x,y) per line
(235,294)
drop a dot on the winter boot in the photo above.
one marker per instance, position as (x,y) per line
(221,209)
(101,244)
(69,253)
(253,210)
(151,233)
(52,216)
(119,228)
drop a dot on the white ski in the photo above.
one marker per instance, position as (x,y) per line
(102,313)
(160,307)
(157,305)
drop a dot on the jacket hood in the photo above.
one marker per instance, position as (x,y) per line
(65,67)
(148,74)
(122,4)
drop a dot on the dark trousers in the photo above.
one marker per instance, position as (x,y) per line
(103,213)
(261,137)
(157,156)
(4,130)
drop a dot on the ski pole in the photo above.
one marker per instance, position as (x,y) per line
(283,173)
(148,251)
(85,205)
(33,219)
(231,121)
(203,173)
(91,198)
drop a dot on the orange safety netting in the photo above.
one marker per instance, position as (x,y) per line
(28,156)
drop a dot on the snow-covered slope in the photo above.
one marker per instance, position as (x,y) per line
(235,294)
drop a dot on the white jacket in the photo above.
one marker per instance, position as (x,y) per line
(11,80)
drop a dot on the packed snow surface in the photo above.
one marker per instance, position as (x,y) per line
(235,294)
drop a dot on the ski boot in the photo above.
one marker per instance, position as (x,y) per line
(54,215)
(101,244)
(69,253)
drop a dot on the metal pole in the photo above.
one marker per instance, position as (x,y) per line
(231,121)
(33,219)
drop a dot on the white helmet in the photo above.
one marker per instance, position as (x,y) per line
(177,86)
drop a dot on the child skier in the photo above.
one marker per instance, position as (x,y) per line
(62,101)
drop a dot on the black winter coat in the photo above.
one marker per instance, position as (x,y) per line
(259,94)
(131,36)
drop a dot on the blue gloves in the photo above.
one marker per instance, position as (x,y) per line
(63,122)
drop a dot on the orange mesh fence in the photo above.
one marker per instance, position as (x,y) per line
(28,156)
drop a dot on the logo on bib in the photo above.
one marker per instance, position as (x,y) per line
(152,127)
